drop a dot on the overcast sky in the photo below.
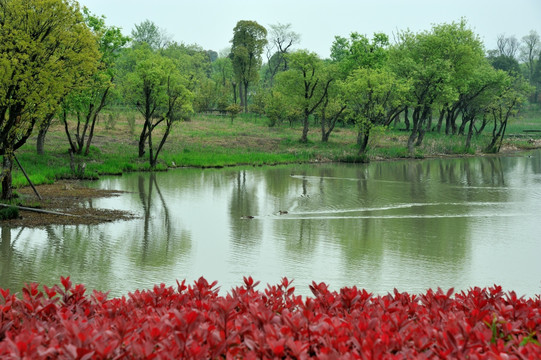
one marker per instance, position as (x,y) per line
(210,23)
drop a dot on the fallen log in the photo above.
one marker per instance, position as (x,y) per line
(39,210)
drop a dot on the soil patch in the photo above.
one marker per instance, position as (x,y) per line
(67,197)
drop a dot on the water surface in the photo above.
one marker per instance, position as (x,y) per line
(410,225)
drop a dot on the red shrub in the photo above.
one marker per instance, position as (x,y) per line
(195,322)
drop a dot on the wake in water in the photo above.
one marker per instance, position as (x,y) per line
(388,212)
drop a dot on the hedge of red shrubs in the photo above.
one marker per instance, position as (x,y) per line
(195,322)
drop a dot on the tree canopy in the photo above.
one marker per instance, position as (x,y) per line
(249,40)
(45,49)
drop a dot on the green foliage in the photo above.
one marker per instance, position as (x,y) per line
(110,121)
(282,38)
(355,159)
(359,52)
(510,98)
(130,118)
(90,95)
(46,49)
(159,91)
(150,34)
(303,87)
(233,110)
(249,39)
(40,61)
(7,213)
(370,95)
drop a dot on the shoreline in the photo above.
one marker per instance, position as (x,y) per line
(68,196)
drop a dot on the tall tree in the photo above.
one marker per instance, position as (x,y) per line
(370,94)
(305,85)
(333,106)
(45,46)
(437,62)
(159,92)
(222,74)
(359,52)
(249,40)
(505,105)
(507,45)
(530,51)
(281,40)
(149,33)
(90,97)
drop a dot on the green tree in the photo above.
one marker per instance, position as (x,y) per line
(282,38)
(222,74)
(159,92)
(503,62)
(195,64)
(149,33)
(249,40)
(530,51)
(370,95)
(438,62)
(359,51)
(90,96)
(474,101)
(511,96)
(304,85)
(333,106)
(178,106)
(45,47)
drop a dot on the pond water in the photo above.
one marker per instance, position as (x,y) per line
(410,225)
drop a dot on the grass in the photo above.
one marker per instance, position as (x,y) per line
(213,141)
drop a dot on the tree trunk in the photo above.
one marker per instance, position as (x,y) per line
(440,121)
(304,137)
(91,133)
(73,148)
(483,125)
(162,142)
(462,127)
(362,141)
(234,84)
(241,95)
(414,131)
(246,96)
(429,125)
(152,160)
(143,138)
(7,167)
(406,119)
(40,142)
(324,135)
(421,128)
(470,133)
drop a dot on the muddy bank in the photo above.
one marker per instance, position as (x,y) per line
(68,197)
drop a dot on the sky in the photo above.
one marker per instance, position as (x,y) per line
(210,23)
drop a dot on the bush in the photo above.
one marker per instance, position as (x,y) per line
(355,159)
(195,322)
(7,213)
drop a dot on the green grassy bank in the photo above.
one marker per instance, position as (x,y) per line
(215,141)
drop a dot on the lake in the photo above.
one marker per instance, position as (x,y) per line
(409,225)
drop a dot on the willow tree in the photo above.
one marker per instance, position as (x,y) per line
(249,40)
(45,46)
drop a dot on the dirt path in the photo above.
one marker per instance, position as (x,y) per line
(69,197)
